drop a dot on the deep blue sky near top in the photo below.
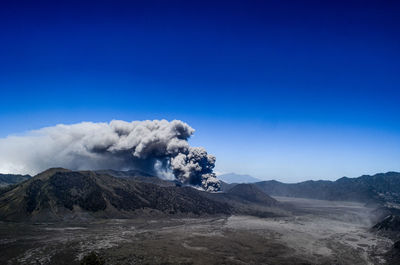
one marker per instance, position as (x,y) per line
(290,90)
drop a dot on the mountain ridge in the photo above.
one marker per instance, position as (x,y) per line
(11,179)
(377,188)
(59,194)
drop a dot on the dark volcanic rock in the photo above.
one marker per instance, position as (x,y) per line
(390,223)
(390,227)
(393,255)
(381,212)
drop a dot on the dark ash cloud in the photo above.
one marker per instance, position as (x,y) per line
(158,147)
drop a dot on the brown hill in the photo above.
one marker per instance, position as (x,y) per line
(59,194)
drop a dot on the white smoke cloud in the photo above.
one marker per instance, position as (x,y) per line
(159,147)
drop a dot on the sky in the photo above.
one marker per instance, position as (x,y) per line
(286,90)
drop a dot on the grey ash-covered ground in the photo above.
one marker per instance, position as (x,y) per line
(319,232)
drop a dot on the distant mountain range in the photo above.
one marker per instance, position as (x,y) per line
(378,188)
(10,179)
(237,178)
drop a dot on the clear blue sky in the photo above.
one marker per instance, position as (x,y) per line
(290,90)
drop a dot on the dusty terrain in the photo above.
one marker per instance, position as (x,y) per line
(318,232)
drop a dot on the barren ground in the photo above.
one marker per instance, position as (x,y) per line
(319,232)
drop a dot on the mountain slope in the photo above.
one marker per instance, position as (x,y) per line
(248,199)
(390,224)
(59,194)
(137,176)
(225,187)
(251,193)
(10,179)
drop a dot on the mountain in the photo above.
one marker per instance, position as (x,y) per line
(236,178)
(10,179)
(253,194)
(138,176)
(248,199)
(61,194)
(380,188)
(390,227)
(225,187)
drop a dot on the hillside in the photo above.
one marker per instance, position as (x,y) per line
(10,179)
(137,176)
(59,194)
(253,194)
(390,227)
(248,199)
(390,223)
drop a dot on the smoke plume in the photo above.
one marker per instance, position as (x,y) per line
(158,147)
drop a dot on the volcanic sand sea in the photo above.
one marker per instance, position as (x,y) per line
(319,232)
